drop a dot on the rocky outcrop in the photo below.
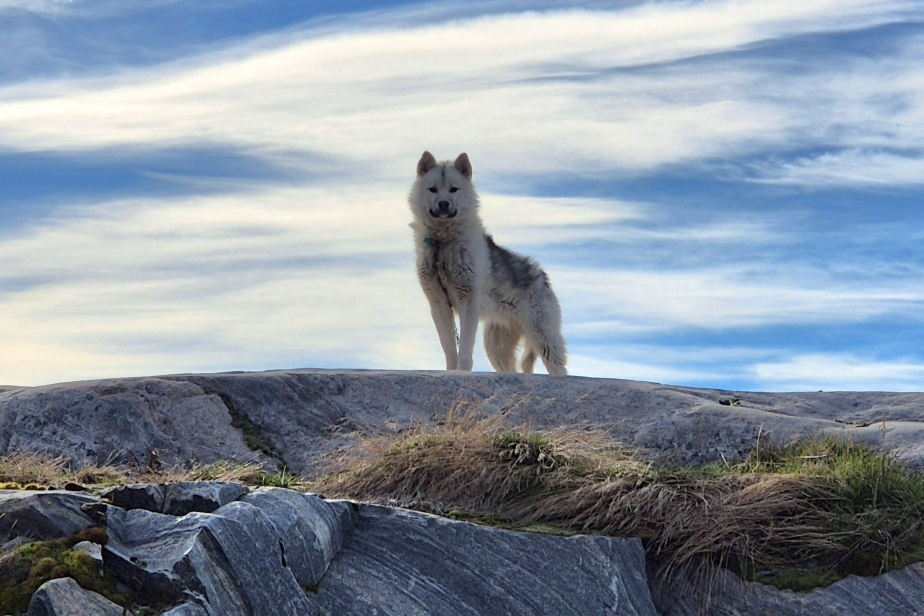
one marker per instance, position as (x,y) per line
(121,421)
(215,548)
(295,416)
(275,551)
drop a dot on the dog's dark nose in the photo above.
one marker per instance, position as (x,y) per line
(443,204)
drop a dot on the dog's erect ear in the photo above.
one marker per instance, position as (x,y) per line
(425,163)
(463,165)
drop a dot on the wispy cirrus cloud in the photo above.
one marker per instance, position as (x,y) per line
(735,297)
(841,371)
(490,76)
(851,167)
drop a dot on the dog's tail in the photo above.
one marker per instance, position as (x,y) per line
(552,353)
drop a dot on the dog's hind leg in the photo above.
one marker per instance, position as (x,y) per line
(500,344)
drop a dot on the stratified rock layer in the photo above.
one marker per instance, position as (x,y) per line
(401,563)
(42,515)
(178,498)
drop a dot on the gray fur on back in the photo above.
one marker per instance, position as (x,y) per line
(518,271)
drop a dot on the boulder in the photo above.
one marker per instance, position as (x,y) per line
(134,421)
(310,530)
(63,597)
(403,563)
(40,515)
(93,550)
(147,496)
(177,498)
(229,562)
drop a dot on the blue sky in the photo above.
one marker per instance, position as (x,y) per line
(726,193)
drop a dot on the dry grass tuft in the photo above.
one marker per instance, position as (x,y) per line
(40,471)
(32,469)
(779,510)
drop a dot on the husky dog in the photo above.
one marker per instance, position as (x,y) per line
(463,271)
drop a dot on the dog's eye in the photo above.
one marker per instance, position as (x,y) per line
(453,189)
(433,189)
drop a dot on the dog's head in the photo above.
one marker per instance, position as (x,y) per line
(443,191)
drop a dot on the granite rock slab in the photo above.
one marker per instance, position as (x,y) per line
(39,515)
(310,530)
(177,498)
(229,563)
(141,422)
(276,551)
(403,563)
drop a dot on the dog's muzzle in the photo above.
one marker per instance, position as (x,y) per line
(444,210)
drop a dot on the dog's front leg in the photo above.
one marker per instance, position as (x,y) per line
(441,311)
(446,330)
(468,326)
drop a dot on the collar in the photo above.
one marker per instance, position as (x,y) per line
(429,241)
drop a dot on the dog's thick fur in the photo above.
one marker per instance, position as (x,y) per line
(463,271)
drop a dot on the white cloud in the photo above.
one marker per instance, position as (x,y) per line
(851,167)
(377,96)
(324,276)
(724,298)
(832,372)
(665,364)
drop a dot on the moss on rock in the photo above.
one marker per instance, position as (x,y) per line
(26,568)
